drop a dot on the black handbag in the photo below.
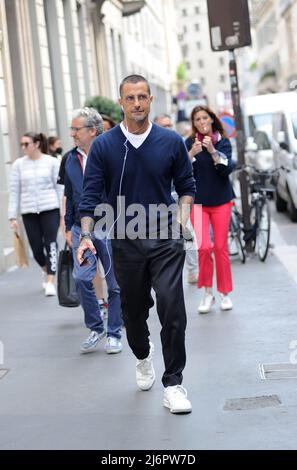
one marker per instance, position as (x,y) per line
(67,294)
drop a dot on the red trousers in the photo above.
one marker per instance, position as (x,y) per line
(219,218)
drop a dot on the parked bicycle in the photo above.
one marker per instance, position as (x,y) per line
(235,237)
(261,191)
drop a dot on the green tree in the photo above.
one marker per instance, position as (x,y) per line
(181,72)
(105,106)
(253,66)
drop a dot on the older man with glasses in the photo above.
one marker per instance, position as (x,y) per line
(86,125)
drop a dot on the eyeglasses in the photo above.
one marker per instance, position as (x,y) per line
(25,144)
(76,129)
(131,98)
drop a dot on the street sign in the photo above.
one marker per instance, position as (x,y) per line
(228,123)
(229,24)
(194,90)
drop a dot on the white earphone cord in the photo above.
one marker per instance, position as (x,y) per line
(120,212)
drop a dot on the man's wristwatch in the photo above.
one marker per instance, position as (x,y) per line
(85,235)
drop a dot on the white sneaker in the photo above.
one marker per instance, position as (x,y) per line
(206,303)
(113,345)
(226,303)
(145,373)
(50,289)
(92,341)
(175,398)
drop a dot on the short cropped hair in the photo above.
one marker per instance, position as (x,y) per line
(92,118)
(134,79)
(161,116)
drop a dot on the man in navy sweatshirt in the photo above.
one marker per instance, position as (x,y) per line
(136,163)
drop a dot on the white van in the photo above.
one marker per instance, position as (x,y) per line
(271,126)
(284,132)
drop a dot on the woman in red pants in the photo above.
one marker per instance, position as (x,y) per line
(210,152)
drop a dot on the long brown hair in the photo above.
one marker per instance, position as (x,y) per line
(41,138)
(217,125)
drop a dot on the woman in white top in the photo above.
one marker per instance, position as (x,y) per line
(35,194)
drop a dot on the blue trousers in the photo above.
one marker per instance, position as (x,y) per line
(84,275)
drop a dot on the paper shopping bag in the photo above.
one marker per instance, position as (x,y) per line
(20,252)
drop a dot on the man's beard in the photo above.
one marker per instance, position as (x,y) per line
(141,117)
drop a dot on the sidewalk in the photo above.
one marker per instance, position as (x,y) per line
(54,398)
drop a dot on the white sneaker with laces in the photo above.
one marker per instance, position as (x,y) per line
(175,398)
(113,345)
(145,373)
(92,341)
(50,289)
(206,303)
(226,303)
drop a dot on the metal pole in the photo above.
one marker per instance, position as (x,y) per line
(240,143)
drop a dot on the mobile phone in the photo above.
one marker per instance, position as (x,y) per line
(85,261)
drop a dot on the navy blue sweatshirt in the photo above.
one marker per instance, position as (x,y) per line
(149,171)
(212,181)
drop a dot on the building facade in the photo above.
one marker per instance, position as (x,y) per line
(265,22)
(274,23)
(287,32)
(208,69)
(151,50)
(47,70)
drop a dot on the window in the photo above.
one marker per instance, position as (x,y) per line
(198,45)
(196,27)
(184,12)
(184,50)
(185,29)
(222,78)
(267,33)
(221,61)
(260,121)
(201,63)
(188,65)
(202,81)
(197,10)
(262,140)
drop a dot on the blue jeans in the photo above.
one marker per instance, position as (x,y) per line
(84,275)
